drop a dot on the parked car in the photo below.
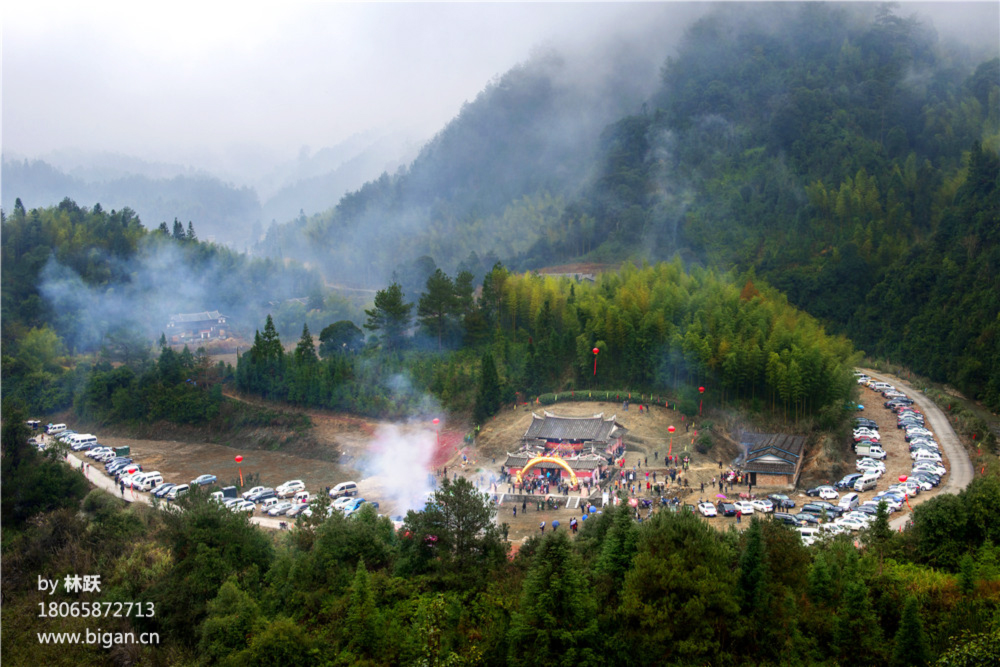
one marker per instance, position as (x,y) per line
(342,503)
(250,492)
(707,509)
(818,491)
(848,481)
(203,480)
(163,489)
(263,494)
(279,508)
(726,509)
(809,518)
(290,488)
(784,517)
(849,501)
(344,489)
(177,491)
(781,501)
(296,510)
(744,506)
(351,510)
(762,505)
(850,523)
(243,506)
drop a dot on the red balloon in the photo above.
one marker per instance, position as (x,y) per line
(701,390)
(903,478)
(596,350)
(671,429)
(239,458)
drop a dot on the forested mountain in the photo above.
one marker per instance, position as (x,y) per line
(837,150)
(220,211)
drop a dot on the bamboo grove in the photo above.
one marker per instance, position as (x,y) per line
(658,328)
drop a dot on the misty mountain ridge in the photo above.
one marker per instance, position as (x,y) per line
(228,204)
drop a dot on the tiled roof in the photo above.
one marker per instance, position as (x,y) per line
(783,445)
(553,427)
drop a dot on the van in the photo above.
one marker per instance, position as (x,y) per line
(52,429)
(809,534)
(344,489)
(177,491)
(866,483)
(849,501)
(82,441)
(267,503)
(882,386)
(870,449)
(150,481)
(301,497)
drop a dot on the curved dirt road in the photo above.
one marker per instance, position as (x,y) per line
(960,474)
(96,476)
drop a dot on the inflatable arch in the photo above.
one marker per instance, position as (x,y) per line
(548,459)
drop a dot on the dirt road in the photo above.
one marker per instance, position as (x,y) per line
(96,476)
(960,466)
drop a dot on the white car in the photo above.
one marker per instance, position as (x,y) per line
(244,506)
(925,455)
(868,433)
(870,464)
(254,490)
(828,493)
(341,503)
(744,506)
(762,505)
(865,519)
(851,523)
(929,466)
(290,488)
(707,509)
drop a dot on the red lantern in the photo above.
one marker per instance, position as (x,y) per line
(671,429)
(436,421)
(701,390)
(239,459)
(670,451)
(595,360)
(903,478)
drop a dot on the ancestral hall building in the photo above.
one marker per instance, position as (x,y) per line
(196,326)
(587,445)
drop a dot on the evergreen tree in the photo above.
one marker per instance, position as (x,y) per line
(488,394)
(190,236)
(178,230)
(912,648)
(363,624)
(390,317)
(437,304)
(305,351)
(556,623)
(752,584)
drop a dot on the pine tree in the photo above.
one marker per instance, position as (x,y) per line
(437,304)
(390,316)
(912,648)
(557,621)
(178,230)
(305,351)
(362,623)
(191,236)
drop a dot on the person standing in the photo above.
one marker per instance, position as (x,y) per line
(739,516)
(542,526)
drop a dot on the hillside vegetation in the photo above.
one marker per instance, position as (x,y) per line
(843,152)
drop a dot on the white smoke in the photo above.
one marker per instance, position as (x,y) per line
(399,461)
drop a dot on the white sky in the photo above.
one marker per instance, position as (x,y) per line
(166,79)
(173,80)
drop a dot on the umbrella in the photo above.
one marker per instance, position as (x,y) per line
(592,509)
(583,518)
(719,495)
(555,524)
